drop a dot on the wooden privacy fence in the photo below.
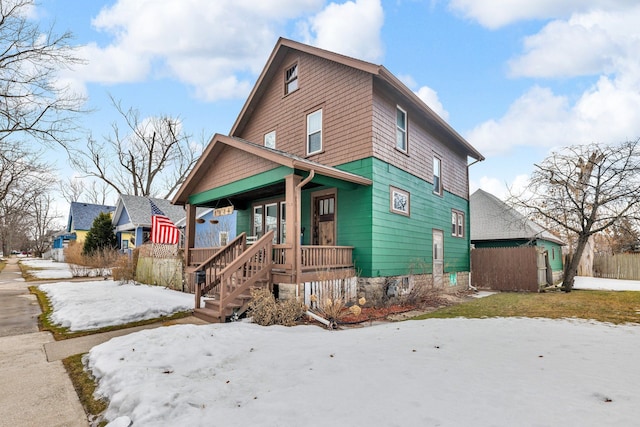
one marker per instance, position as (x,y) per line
(620,266)
(509,269)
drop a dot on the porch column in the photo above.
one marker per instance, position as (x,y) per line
(292,227)
(189,233)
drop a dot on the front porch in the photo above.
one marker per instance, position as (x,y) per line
(228,274)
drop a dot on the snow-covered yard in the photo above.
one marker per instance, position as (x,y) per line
(437,372)
(47,269)
(96,304)
(451,372)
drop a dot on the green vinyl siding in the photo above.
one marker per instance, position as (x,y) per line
(555,254)
(385,243)
(397,244)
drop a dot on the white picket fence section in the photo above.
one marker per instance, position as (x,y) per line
(345,289)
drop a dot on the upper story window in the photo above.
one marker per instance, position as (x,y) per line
(291,79)
(270,139)
(437,175)
(401,129)
(314,132)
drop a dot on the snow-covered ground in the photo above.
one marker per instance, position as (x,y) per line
(437,372)
(446,372)
(47,269)
(96,304)
(593,283)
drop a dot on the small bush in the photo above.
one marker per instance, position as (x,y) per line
(266,311)
(124,269)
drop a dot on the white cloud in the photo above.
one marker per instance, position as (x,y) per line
(498,13)
(607,113)
(430,97)
(214,47)
(585,44)
(603,44)
(351,28)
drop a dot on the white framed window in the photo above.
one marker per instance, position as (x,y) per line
(223,238)
(457,223)
(401,129)
(270,139)
(437,175)
(399,201)
(314,132)
(291,79)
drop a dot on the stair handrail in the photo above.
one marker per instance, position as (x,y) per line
(265,243)
(239,242)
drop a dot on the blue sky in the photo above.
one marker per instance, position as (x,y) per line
(517,78)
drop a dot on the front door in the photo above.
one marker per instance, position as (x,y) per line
(324,225)
(438,258)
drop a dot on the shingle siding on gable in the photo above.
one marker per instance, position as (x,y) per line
(233,165)
(343,93)
(422,146)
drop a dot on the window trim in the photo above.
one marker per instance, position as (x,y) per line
(393,207)
(458,227)
(405,131)
(318,111)
(264,139)
(289,80)
(437,189)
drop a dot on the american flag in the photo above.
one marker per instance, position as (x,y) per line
(162,229)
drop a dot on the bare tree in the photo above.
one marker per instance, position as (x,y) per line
(43,220)
(33,103)
(585,190)
(76,189)
(151,158)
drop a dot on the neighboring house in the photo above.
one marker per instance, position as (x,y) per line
(349,169)
(79,222)
(81,216)
(495,224)
(214,227)
(132,219)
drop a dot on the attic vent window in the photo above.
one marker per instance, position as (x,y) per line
(291,79)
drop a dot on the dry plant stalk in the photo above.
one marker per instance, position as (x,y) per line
(266,311)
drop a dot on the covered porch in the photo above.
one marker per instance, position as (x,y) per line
(286,219)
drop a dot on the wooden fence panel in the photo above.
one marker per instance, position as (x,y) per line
(505,269)
(619,266)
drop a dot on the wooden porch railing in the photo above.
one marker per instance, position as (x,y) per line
(215,264)
(253,265)
(198,256)
(326,257)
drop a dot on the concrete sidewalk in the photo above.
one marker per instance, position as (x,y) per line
(58,350)
(35,392)
(36,389)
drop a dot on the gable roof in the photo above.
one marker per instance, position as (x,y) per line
(283,158)
(138,210)
(493,219)
(284,46)
(81,215)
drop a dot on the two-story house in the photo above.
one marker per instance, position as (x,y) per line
(341,173)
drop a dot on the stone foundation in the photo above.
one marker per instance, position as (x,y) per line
(378,289)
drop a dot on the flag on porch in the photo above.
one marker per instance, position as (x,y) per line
(162,229)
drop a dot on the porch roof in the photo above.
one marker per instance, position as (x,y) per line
(289,162)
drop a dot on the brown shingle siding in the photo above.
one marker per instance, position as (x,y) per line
(343,93)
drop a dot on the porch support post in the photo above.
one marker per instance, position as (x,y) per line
(189,233)
(292,227)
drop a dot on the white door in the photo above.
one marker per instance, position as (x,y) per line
(438,258)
